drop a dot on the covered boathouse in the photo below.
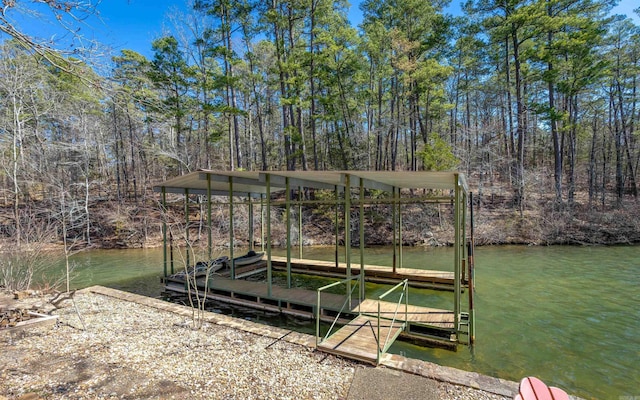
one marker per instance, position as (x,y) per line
(349,322)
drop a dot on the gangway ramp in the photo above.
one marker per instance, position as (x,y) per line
(361,338)
(361,341)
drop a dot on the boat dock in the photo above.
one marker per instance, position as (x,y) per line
(360,327)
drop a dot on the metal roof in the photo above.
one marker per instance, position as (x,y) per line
(254,183)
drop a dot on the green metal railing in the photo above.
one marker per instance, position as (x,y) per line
(382,346)
(405,295)
(347,301)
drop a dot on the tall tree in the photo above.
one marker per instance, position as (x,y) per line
(566,40)
(173,76)
(417,32)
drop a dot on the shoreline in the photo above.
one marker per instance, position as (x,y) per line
(252,351)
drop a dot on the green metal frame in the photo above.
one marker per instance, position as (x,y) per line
(344,203)
(405,295)
(164,231)
(268,225)
(186,228)
(288,223)
(347,302)
(209,220)
(231,230)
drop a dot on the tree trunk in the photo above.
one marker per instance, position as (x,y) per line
(521,118)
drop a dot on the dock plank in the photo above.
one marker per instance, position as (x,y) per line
(358,339)
(299,296)
(372,272)
(415,314)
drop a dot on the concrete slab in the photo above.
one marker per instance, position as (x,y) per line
(384,384)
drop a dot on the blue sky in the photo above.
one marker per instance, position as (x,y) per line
(134,24)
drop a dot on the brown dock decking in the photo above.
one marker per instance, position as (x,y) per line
(292,301)
(425,316)
(358,339)
(373,273)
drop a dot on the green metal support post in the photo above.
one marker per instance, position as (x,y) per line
(268,224)
(361,224)
(471,289)
(250,221)
(347,230)
(457,258)
(186,235)
(336,223)
(288,222)
(400,263)
(300,236)
(164,230)
(231,233)
(209,220)
(395,229)
(262,222)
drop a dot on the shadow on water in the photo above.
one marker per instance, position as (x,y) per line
(570,315)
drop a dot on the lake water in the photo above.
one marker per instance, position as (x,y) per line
(569,315)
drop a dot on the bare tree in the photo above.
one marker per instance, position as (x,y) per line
(22,267)
(19,109)
(63,19)
(197,276)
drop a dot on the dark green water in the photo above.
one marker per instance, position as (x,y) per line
(570,315)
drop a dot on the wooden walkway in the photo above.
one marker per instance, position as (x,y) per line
(358,339)
(292,301)
(418,315)
(373,273)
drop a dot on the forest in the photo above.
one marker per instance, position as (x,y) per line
(535,100)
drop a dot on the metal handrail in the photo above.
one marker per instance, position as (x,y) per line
(348,297)
(405,294)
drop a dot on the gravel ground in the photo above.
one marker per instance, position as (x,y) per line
(130,351)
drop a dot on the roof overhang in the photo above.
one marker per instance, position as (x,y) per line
(254,183)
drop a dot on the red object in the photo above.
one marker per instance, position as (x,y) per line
(532,388)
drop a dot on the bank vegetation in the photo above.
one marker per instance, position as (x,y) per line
(535,101)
